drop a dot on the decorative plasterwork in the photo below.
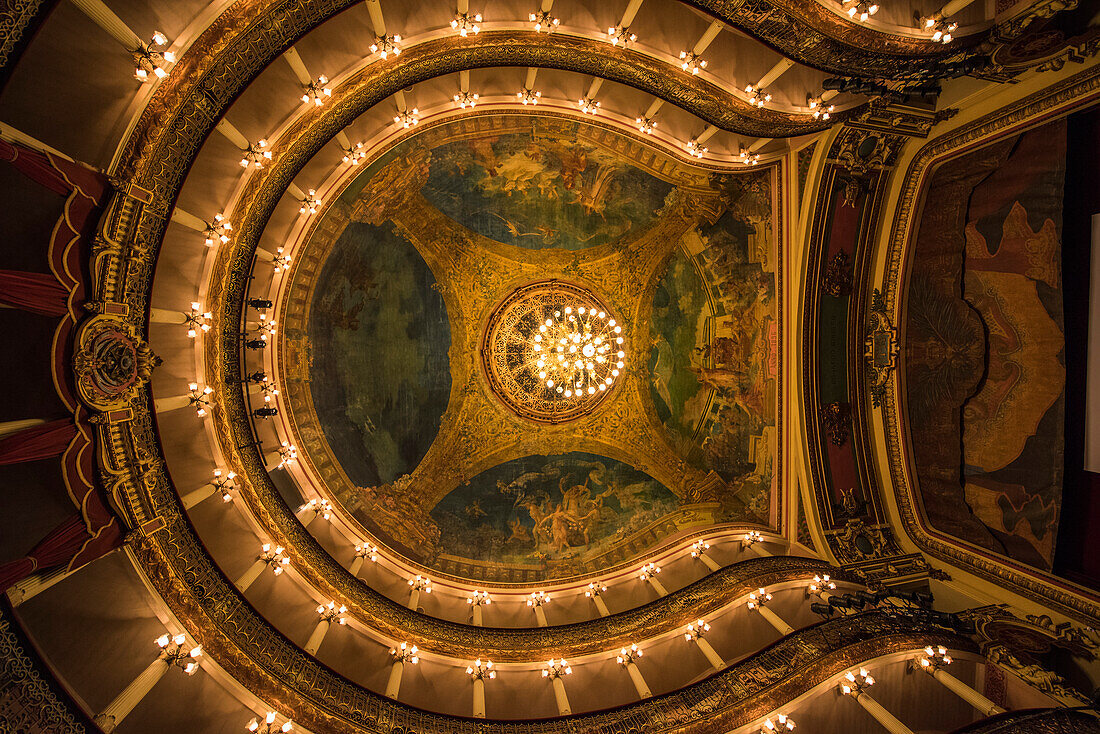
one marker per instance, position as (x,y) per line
(18,19)
(1058,99)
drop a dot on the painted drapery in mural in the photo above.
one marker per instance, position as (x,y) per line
(714,362)
(984,363)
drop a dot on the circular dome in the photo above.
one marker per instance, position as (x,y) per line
(552,352)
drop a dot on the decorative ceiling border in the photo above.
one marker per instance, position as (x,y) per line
(809,33)
(19,19)
(1050,102)
(669,165)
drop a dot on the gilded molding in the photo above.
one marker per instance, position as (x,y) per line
(29,702)
(807,32)
(17,21)
(1058,99)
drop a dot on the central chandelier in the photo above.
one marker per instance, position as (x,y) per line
(553,350)
(577,349)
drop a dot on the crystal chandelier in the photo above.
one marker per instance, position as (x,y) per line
(577,350)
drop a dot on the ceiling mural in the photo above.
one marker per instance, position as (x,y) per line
(550,509)
(984,346)
(390,353)
(380,371)
(715,360)
(535,189)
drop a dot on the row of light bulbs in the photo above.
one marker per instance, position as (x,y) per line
(151,58)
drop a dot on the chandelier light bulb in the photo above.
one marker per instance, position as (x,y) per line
(691,61)
(466,99)
(621,36)
(649,570)
(544,21)
(465,24)
(645,125)
(384,46)
(528,96)
(589,106)
(782,722)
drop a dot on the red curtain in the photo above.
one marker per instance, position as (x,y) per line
(55,173)
(37,442)
(35,292)
(60,546)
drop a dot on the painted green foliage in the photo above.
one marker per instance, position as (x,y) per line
(539,191)
(714,362)
(549,508)
(381,374)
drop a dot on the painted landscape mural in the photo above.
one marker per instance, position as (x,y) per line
(536,190)
(984,347)
(380,377)
(543,509)
(714,362)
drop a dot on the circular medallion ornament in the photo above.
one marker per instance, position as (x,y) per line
(552,351)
